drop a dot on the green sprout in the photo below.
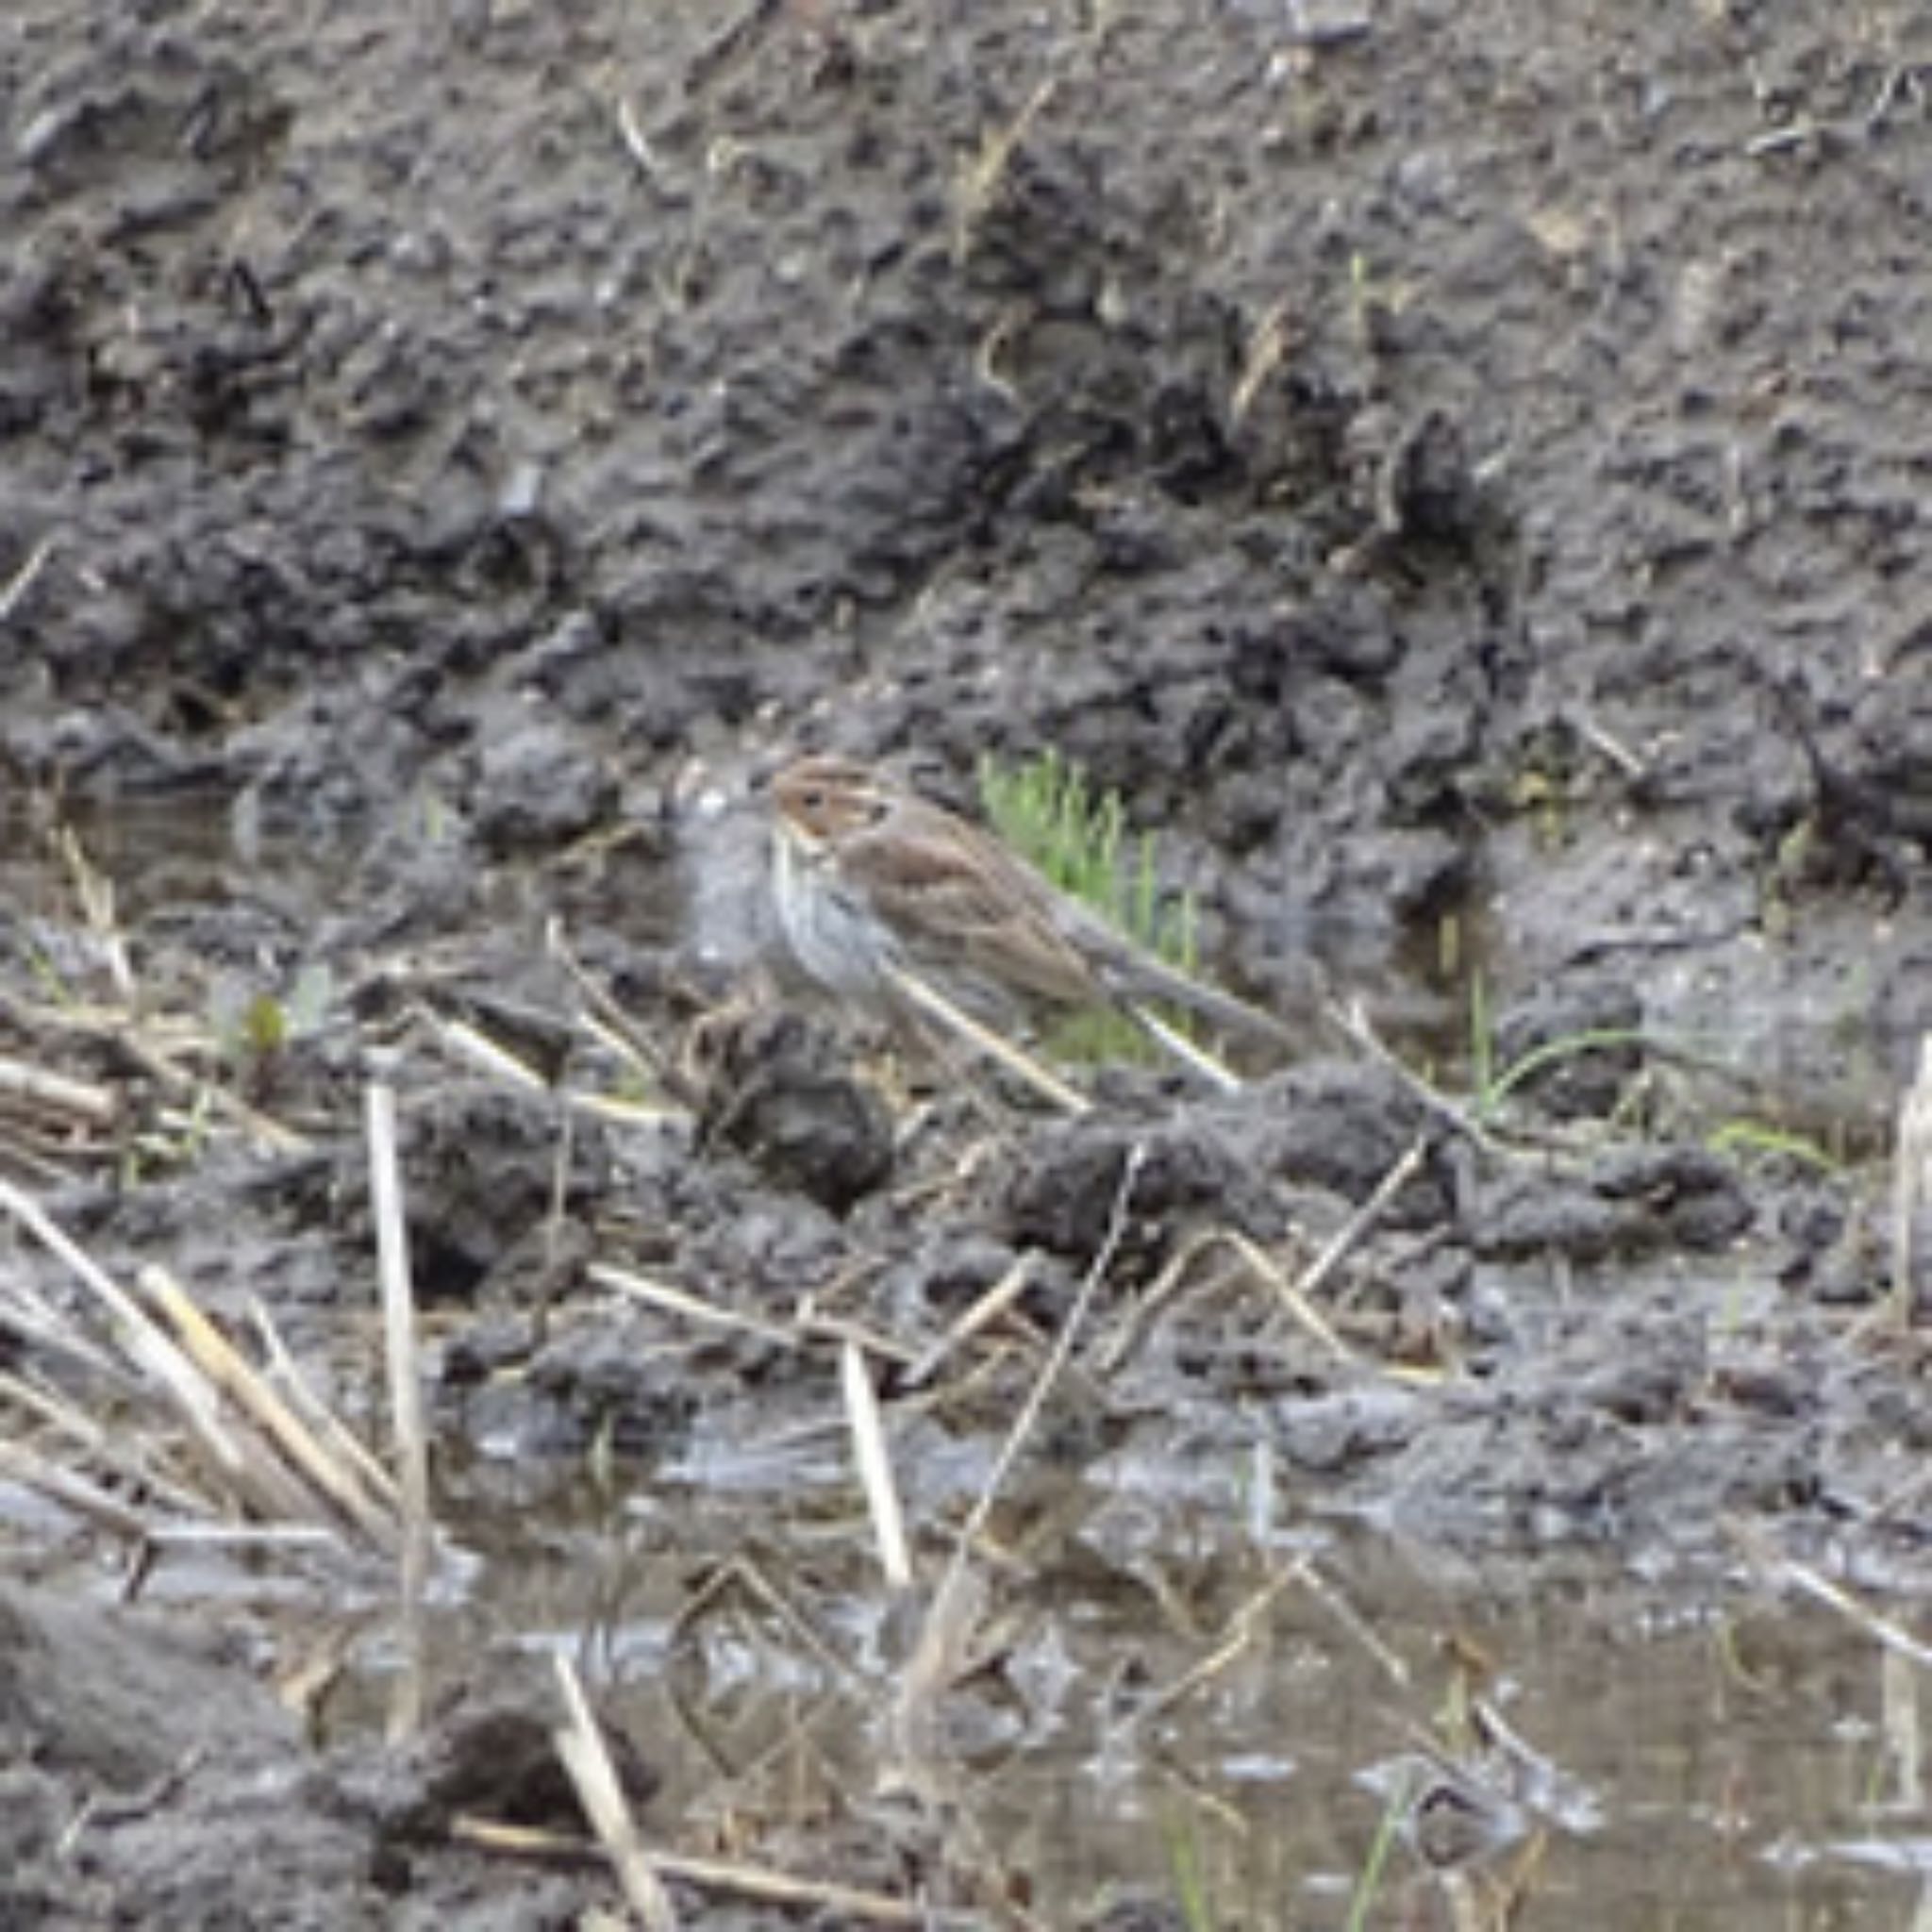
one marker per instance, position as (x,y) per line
(1760,1141)
(1076,838)
(1492,1084)
(1192,1893)
(254,1026)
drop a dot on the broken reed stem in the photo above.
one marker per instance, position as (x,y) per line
(147,1346)
(83,1103)
(580,1745)
(406,1400)
(875,1466)
(1911,1194)
(253,1453)
(329,1476)
(338,1441)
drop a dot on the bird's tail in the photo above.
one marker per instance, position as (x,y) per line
(1142,977)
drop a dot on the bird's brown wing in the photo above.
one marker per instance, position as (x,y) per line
(967,911)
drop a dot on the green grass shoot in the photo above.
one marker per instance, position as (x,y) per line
(1077,839)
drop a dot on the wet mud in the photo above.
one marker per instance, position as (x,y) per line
(1452,469)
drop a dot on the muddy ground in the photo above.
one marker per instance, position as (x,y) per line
(1455,470)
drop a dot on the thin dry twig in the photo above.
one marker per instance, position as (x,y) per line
(955,1605)
(119,1451)
(468,1043)
(636,143)
(1881,1629)
(927,1000)
(14,591)
(611,1024)
(34,1318)
(979,184)
(340,1443)
(252,1452)
(983,1310)
(157,1062)
(94,892)
(1197,1059)
(834,1903)
(1355,1625)
(816,1325)
(1296,1297)
(741,1574)
(938,1661)
(1352,1023)
(1266,351)
(151,1045)
(1137,1321)
(73,1493)
(1240,1635)
(1054,1365)
(1612,747)
(671,1300)
(1343,1243)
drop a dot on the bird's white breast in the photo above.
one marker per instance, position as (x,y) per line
(834,938)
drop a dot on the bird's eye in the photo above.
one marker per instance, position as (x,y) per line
(813,799)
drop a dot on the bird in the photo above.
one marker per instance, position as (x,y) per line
(878,888)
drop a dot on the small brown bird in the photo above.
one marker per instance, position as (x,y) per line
(873,882)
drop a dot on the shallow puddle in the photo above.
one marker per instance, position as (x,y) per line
(1168,1707)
